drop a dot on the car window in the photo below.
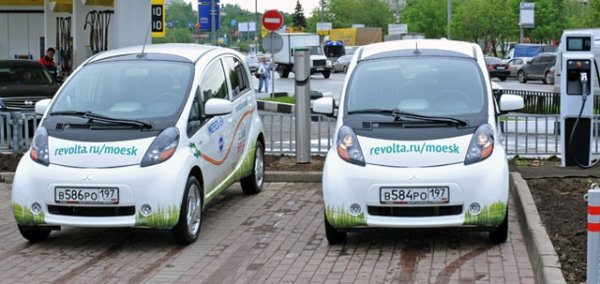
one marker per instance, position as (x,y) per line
(428,86)
(536,60)
(493,60)
(237,76)
(24,75)
(195,117)
(548,59)
(516,61)
(138,89)
(213,84)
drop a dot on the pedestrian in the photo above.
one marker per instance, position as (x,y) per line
(48,61)
(264,75)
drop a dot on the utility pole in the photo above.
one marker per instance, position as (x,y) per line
(449,17)
(321,14)
(256,28)
(213,23)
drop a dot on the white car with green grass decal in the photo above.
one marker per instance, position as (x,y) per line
(141,138)
(418,142)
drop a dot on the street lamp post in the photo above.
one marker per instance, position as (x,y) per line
(256,28)
(213,23)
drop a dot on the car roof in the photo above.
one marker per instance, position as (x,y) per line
(20,63)
(465,48)
(191,52)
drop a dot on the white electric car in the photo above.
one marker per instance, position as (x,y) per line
(141,138)
(417,141)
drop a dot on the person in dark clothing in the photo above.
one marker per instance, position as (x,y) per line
(48,60)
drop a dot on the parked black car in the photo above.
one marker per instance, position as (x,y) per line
(23,83)
(538,68)
(497,68)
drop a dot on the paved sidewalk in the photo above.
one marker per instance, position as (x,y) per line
(276,236)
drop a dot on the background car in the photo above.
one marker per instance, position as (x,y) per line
(23,83)
(515,64)
(538,68)
(252,62)
(497,68)
(341,64)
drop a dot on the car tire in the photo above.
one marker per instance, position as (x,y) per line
(253,184)
(326,74)
(190,216)
(522,77)
(502,78)
(34,234)
(500,234)
(334,236)
(283,72)
(345,69)
(546,79)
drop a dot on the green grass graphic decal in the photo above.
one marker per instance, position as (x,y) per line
(339,218)
(491,215)
(24,216)
(247,165)
(162,218)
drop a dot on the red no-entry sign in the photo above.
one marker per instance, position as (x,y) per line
(272,20)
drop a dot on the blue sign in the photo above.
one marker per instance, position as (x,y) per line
(190,25)
(169,24)
(233,23)
(204,15)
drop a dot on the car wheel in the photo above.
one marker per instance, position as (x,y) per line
(34,234)
(253,184)
(547,78)
(334,236)
(190,217)
(326,74)
(522,77)
(502,78)
(345,69)
(500,234)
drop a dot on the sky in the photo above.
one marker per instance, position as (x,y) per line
(282,5)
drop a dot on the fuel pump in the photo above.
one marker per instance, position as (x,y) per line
(576,98)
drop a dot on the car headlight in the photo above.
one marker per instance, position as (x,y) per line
(348,147)
(329,63)
(481,146)
(162,148)
(39,147)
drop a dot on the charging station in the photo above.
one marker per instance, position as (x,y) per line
(576,98)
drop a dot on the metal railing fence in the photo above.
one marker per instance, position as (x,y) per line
(540,102)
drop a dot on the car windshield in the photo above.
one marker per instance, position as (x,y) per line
(424,86)
(316,50)
(24,75)
(145,90)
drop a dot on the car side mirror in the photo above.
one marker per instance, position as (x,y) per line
(216,107)
(324,105)
(42,105)
(511,103)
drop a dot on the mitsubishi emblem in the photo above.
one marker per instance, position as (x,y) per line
(413,176)
(87,177)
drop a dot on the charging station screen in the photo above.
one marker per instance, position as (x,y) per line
(578,44)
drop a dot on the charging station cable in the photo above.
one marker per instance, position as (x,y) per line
(584,96)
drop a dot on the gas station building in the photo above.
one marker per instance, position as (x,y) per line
(77,29)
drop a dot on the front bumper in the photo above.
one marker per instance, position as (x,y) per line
(320,69)
(347,187)
(160,187)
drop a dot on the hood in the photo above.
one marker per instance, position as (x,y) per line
(402,153)
(47,91)
(79,154)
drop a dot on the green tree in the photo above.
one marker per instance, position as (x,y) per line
(298,19)
(371,13)
(593,14)
(426,16)
(179,35)
(181,14)
(550,20)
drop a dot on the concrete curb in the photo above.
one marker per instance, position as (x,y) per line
(275,107)
(7,177)
(542,255)
(281,176)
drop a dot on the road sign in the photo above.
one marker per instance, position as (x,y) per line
(397,29)
(204,15)
(358,25)
(527,15)
(272,43)
(158,18)
(272,20)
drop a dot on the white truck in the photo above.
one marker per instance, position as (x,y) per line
(284,59)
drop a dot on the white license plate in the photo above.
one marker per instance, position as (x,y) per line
(320,69)
(86,195)
(414,195)
(500,67)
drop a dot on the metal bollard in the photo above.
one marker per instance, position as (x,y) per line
(593,242)
(302,92)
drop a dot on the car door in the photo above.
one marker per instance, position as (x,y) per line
(243,106)
(534,68)
(208,135)
(514,66)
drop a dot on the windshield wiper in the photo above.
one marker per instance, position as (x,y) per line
(372,110)
(403,116)
(102,118)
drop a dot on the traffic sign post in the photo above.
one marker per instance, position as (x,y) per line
(272,20)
